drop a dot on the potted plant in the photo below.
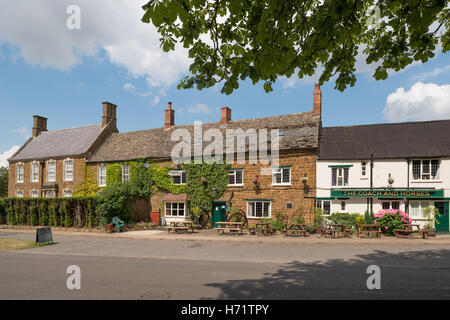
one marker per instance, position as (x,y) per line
(255,180)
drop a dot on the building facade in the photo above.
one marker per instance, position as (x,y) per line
(402,166)
(51,163)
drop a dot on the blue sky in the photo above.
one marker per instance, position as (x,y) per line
(64,75)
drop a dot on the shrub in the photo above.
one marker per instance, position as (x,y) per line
(318,218)
(2,211)
(34,218)
(44,213)
(115,201)
(391,219)
(278,223)
(11,216)
(349,220)
(369,217)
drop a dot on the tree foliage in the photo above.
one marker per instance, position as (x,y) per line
(232,40)
(4,182)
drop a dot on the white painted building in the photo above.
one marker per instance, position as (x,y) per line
(410,169)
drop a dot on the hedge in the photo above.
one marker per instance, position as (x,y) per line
(58,212)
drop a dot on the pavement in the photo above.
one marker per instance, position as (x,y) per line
(152,268)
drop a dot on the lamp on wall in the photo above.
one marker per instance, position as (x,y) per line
(214,192)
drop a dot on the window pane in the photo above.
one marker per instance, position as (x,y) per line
(426,170)
(286,175)
(231,177)
(258,209)
(266,209)
(326,207)
(414,209)
(396,205)
(239,177)
(333,176)
(386,205)
(435,169)
(416,169)
(346,177)
(183,177)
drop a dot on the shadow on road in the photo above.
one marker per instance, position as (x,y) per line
(408,275)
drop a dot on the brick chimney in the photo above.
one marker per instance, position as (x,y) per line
(226,115)
(317,101)
(169,117)
(39,125)
(109,114)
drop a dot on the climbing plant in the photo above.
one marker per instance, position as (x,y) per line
(161,180)
(201,179)
(113,173)
(88,187)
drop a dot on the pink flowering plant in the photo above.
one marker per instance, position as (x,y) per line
(391,219)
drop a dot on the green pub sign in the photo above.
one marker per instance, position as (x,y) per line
(389,194)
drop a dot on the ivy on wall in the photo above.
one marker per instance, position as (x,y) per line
(200,181)
(113,173)
(88,187)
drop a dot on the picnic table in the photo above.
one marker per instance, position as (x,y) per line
(185,226)
(334,230)
(295,229)
(409,232)
(262,228)
(230,227)
(369,229)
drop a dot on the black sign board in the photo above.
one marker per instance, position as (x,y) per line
(44,235)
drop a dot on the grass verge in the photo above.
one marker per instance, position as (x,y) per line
(16,244)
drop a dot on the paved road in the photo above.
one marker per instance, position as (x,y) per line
(155,269)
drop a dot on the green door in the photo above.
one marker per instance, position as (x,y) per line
(443,218)
(219,213)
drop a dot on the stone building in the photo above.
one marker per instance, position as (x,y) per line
(286,188)
(52,162)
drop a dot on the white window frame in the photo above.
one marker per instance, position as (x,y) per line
(66,191)
(320,205)
(49,172)
(20,173)
(172,205)
(422,174)
(232,173)
(276,171)
(66,172)
(125,173)
(420,208)
(340,176)
(250,214)
(364,169)
(101,177)
(19,194)
(46,192)
(178,173)
(35,175)
(32,191)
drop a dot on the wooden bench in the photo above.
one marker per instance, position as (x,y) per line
(185,226)
(262,228)
(408,232)
(230,227)
(295,229)
(369,229)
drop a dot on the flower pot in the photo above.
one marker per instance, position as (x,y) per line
(109,227)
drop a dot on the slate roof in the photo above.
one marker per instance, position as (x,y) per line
(301,131)
(386,141)
(59,143)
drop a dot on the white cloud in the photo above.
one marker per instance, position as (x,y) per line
(23,131)
(7,154)
(425,75)
(39,35)
(155,100)
(200,108)
(424,101)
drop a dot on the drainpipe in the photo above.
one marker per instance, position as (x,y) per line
(407,187)
(371,183)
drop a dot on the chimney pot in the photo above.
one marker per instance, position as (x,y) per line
(169,117)
(317,101)
(109,114)
(39,125)
(225,116)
